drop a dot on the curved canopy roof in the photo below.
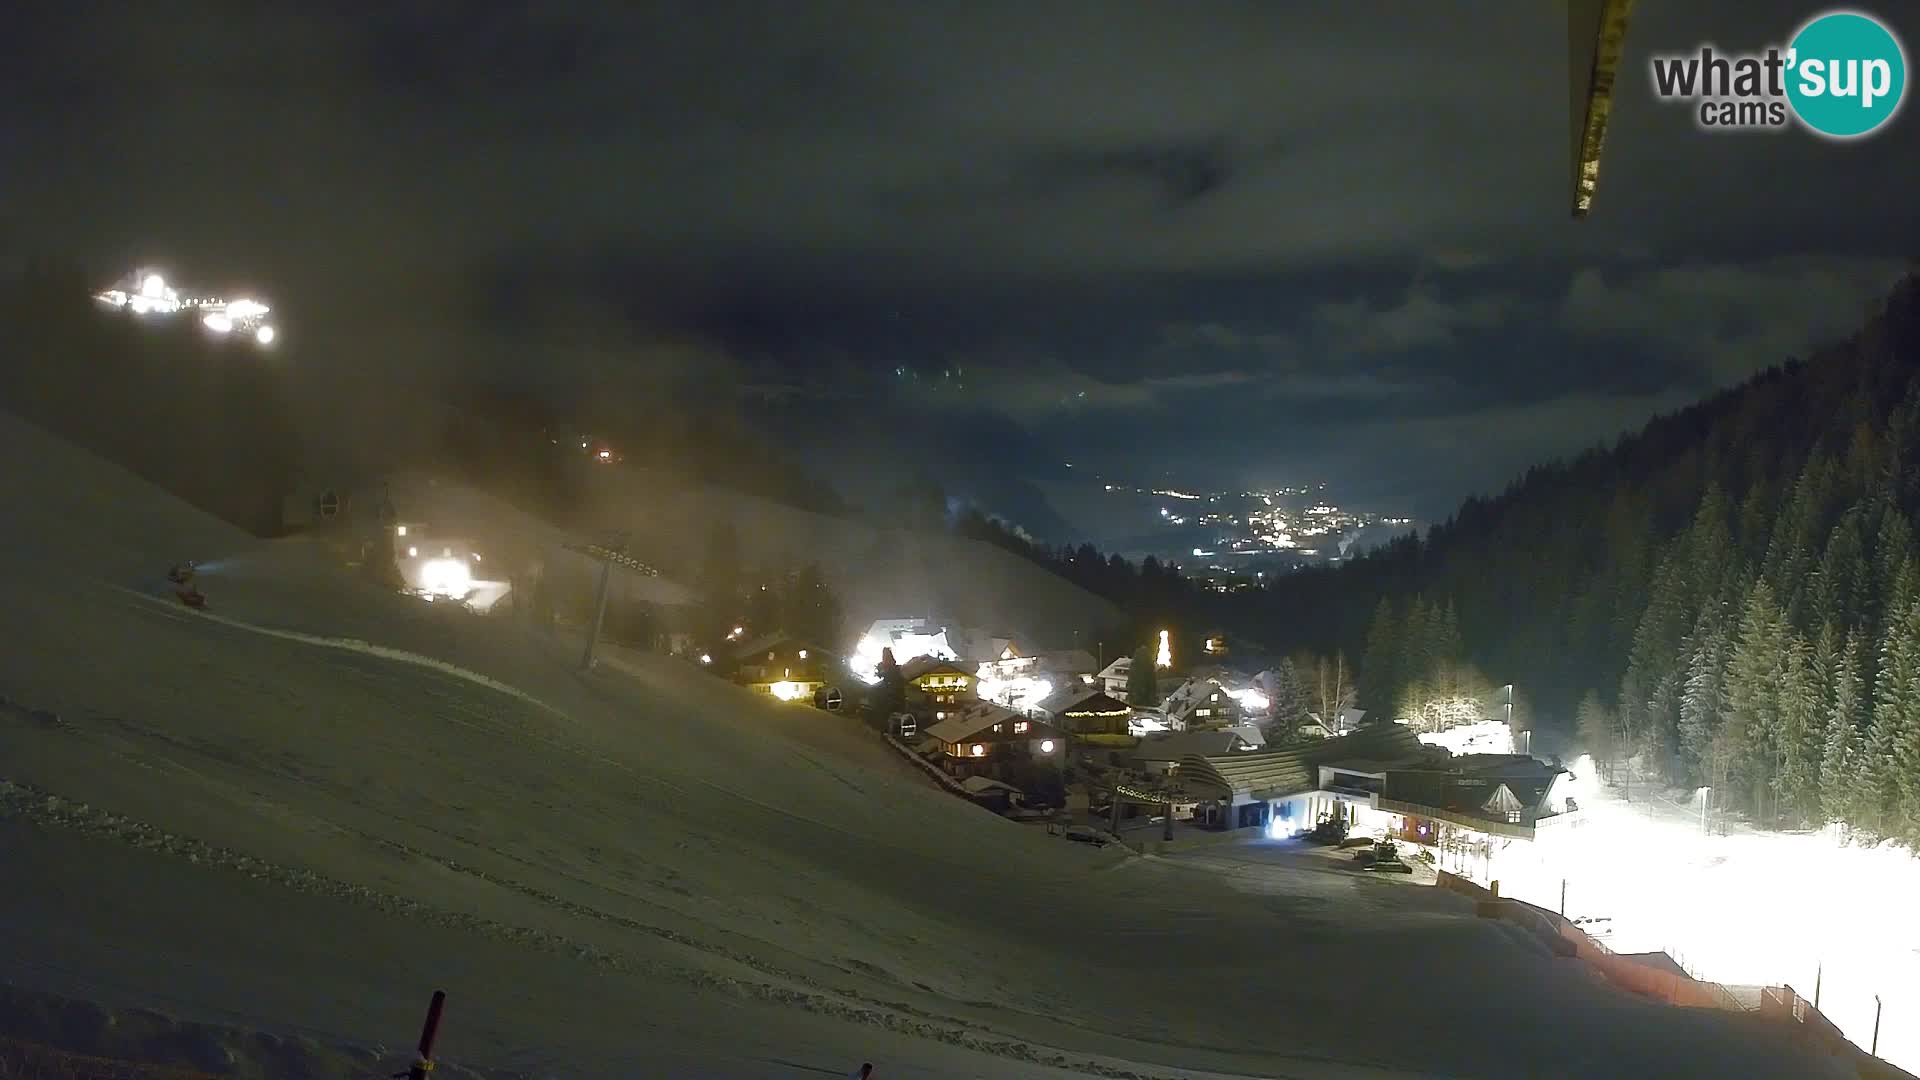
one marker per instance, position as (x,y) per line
(1293,769)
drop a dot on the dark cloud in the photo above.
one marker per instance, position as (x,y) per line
(1247,239)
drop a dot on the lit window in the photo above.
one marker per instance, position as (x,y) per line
(939,716)
(1020,727)
(997,728)
(1203,712)
(403,530)
(979,750)
(803,654)
(1513,816)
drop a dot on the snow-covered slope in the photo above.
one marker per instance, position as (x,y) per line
(305,808)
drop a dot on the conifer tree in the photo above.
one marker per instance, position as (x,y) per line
(1840,758)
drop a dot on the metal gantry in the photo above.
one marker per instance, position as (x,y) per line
(1596,36)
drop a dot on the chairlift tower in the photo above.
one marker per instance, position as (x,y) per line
(609,555)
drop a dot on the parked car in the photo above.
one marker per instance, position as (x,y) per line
(1087,834)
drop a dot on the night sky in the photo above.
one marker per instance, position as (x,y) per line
(1216,243)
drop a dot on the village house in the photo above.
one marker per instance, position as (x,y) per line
(1478,812)
(1247,788)
(1200,702)
(944,682)
(782,667)
(980,732)
(1088,715)
(1112,679)
(1011,663)
(1161,755)
(1076,666)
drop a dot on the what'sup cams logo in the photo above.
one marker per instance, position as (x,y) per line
(1843,75)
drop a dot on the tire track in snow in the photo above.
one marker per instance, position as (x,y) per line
(357,645)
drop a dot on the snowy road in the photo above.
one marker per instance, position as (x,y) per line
(649,872)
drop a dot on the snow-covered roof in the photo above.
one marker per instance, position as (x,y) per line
(1069,662)
(1187,743)
(921,666)
(1190,695)
(978,785)
(1252,735)
(1121,668)
(970,720)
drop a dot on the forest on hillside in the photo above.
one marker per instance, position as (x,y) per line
(1731,594)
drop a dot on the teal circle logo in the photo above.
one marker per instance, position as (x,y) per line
(1847,74)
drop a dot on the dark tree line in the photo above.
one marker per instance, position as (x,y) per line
(1147,587)
(1731,593)
(797,599)
(521,445)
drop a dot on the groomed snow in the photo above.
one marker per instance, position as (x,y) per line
(249,820)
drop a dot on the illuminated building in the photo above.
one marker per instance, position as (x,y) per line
(944,682)
(981,736)
(1474,812)
(1200,703)
(782,667)
(908,638)
(1089,715)
(1113,678)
